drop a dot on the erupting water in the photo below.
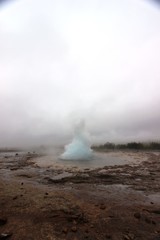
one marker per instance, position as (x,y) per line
(79,148)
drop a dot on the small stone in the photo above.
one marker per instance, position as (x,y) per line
(21,183)
(108,236)
(156,211)
(137,215)
(131,236)
(125,237)
(46,193)
(102,207)
(5,235)
(65,230)
(74,222)
(14,198)
(3,221)
(74,229)
(147,220)
(157,238)
(14,169)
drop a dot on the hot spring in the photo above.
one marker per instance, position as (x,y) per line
(79,148)
(79,155)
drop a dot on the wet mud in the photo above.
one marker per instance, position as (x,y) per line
(112,202)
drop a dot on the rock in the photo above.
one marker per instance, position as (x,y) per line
(108,236)
(74,222)
(46,193)
(65,230)
(147,220)
(102,171)
(3,221)
(137,215)
(84,175)
(74,229)
(129,236)
(14,198)
(102,207)
(5,235)
(126,237)
(78,217)
(54,215)
(156,211)
(157,238)
(14,168)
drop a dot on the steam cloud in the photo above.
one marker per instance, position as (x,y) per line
(79,148)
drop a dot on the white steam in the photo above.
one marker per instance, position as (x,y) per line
(79,148)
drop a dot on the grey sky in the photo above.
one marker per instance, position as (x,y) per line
(65,60)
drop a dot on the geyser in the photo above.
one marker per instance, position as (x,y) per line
(79,148)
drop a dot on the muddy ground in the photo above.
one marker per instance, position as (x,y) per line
(114,202)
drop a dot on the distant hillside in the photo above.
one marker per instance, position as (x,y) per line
(128,146)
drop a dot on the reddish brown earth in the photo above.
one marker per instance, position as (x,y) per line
(118,202)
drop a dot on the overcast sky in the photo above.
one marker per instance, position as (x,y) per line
(65,60)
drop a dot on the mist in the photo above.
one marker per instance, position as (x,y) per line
(79,148)
(66,60)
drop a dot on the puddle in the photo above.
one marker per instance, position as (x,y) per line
(155,198)
(11,154)
(114,188)
(62,175)
(98,160)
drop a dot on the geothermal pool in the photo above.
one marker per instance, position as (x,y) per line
(98,160)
